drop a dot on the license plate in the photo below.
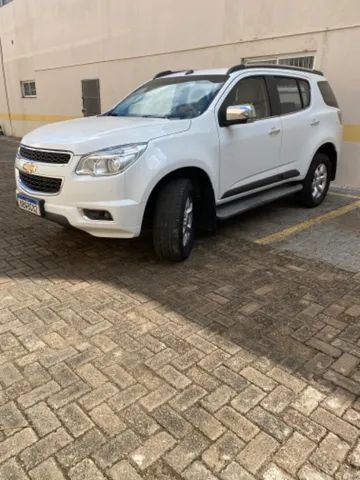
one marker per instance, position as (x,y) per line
(31,205)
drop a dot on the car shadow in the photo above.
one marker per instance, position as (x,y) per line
(271,305)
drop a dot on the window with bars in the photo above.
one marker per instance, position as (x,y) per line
(270,61)
(305,61)
(28,88)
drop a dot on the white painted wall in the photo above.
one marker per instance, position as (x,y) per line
(124,42)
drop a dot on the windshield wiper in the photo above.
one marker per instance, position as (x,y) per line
(113,114)
(150,116)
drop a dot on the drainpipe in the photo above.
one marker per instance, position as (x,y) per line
(5,87)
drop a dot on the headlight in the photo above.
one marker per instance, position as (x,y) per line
(110,161)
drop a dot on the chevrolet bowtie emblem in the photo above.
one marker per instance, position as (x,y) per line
(29,168)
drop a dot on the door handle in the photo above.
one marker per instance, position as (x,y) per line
(274,131)
(314,122)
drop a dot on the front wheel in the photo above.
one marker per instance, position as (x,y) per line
(317,181)
(174,220)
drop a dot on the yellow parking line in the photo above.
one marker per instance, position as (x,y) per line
(279,236)
(346,195)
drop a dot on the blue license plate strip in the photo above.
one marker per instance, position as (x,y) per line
(31,205)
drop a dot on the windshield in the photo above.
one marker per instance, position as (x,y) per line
(174,97)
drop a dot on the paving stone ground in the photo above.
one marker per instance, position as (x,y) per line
(242,363)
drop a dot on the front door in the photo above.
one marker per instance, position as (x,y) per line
(90,97)
(249,152)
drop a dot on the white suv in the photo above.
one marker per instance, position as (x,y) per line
(183,150)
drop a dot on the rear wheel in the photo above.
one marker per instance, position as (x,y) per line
(174,220)
(317,181)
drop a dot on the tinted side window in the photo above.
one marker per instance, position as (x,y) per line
(251,90)
(327,94)
(289,94)
(305,92)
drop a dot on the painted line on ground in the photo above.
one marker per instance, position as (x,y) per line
(279,236)
(345,195)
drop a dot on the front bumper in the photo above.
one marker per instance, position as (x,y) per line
(79,193)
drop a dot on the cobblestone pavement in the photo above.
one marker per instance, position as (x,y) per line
(242,363)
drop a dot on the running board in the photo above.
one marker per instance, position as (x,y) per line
(242,205)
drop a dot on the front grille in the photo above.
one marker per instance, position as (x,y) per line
(40,184)
(45,157)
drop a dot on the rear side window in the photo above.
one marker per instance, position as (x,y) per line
(305,92)
(289,94)
(328,94)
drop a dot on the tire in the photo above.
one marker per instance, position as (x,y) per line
(173,240)
(317,181)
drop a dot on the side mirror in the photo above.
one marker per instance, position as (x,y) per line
(239,114)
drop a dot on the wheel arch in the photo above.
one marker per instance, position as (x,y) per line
(330,151)
(204,196)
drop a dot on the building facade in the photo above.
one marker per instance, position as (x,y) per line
(61,59)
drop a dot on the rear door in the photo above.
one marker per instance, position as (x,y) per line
(293,98)
(91,97)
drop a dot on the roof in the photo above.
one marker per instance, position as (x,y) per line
(235,69)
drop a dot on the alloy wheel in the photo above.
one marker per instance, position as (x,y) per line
(188,220)
(319,181)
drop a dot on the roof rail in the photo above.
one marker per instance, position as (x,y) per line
(243,66)
(235,68)
(170,72)
(163,73)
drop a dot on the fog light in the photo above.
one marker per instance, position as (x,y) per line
(98,214)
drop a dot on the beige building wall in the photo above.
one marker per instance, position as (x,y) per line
(58,43)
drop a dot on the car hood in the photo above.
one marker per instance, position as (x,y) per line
(86,135)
